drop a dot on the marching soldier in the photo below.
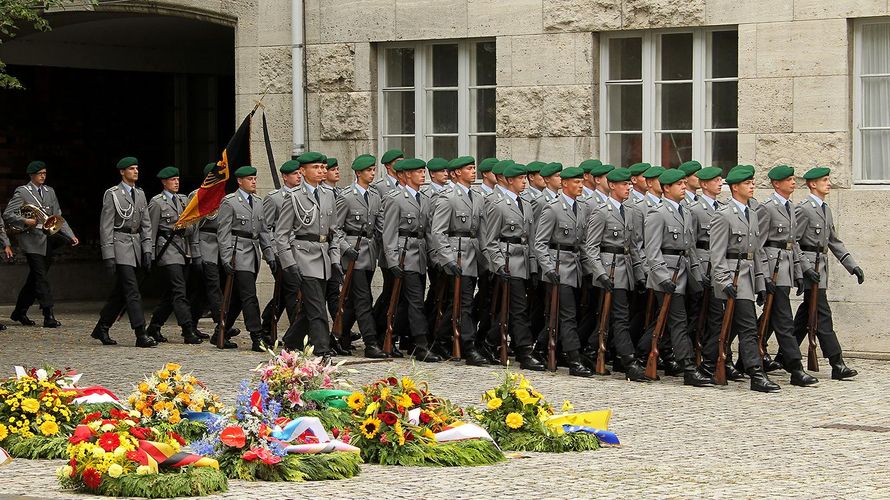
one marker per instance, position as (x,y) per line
(777,225)
(692,183)
(243,241)
(7,252)
(357,210)
(538,290)
(735,248)
(489,181)
(597,196)
(560,236)
(589,186)
(308,245)
(454,235)
(817,235)
(438,170)
(332,289)
(505,240)
(383,187)
(405,217)
(125,239)
(171,256)
(669,246)
(482,299)
(640,188)
(612,252)
(36,244)
(535,182)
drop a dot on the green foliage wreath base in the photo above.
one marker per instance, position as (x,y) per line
(37,447)
(548,443)
(307,467)
(189,482)
(449,454)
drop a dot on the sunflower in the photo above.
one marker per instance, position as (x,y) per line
(495,403)
(356,400)
(370,427)
(514,420)
(30,405)
(3,432)
(172,367)
(49,428)
(567,405)
(408,383)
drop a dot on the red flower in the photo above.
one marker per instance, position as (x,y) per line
(389,418)
(133,456)
(392,381)
(72,463)
(233,436)
(415,398)
(90,417)
(81,433)
(109,441)
(335,431)
(409,436)
(425,417)
(177,437)
(263,454)
(256,401)
(91,478)
(119,414)
(140,432)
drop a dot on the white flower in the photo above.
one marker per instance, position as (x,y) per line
(143,470)
(64,471)
(107,428)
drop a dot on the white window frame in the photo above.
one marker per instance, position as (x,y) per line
(701,101)
(858,101)
(466,117)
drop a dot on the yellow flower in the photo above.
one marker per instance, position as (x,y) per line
(174,417)
(429,434)
(400,433)
(370,427)
(514,420)
(188,389)
(30,405)
(408,383)
(158,406)
(143,387)
(525,397)
(162,387)
(494,404)
(567,405)
(143,470)
(49,428)
(489,394)
(146,412)
(384,393)
(3,432)
(163,374)
(405,401)
(115,470)
(356,400)
(543,414)
(172,367)
(372,408)
(524,383)
(169,406)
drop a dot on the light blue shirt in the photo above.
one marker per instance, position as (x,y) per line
(410,191)
(568,200)
(671,202)
(587,191)
(818,200)
(779,197)
(128,188)
(739,204)
(551,192)
(393,180)
(710,201)
(615,203)
(653,199)
(170,196)
(243,194)
(311,188)
(510,194)
(358,188)
(485,189)
(636,194)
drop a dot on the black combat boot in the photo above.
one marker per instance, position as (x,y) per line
(423,353)
(799,377)
(22,318)
(693,376)
(472,356)
(188,335)
(143,340)
(256,342)
(50,321)
(839,369)
(227,344)
(769,364)
(198,333)
(154,331)
(734,374)
(100,332)
(760,382)
(576,367)
(672,368)
(527,360)
(633,371)
(373,351)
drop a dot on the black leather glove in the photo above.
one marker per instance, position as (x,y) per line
(860,276)
(110,266)
(605,282)
(812,276)
(799,284)
(350,254)
(552,276)
(536,279)
(730,291)
(146,261)
(770,287)
(273,266)
(761,298)
(295,273)
(668,286)
(451,269)
(227,267)
(501,272)
(396,271)
(641,286)
(336,271)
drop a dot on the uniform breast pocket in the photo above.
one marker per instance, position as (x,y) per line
(780,228)
(615,231)
(673,232)
(241,220)
(357,216)
(817,229)
(462,218)
(737,236)
(566,231)
(409,219)
(512,225)
(166,216)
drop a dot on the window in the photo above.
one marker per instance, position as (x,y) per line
(871,100)
(668,97)
(438,98)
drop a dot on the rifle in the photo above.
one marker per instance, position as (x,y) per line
(701,322)
(276,299)
(720,369)
(812,318)
(455,306)
(505,306)
(337,329)
(227,299)
(553,323)
(604,320)
(440,301)
(652,362)
(393,301)
(767,310)
(650,307)
(496,291)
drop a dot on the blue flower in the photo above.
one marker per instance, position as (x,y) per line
(204,446)
(278,449)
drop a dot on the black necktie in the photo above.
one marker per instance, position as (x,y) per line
(715,205)
(621,211)
(788,208)
(315,193)
(133,194)
(40,192)
(824,209)
(250,201)
(519,204)
(575,208)
(680,211)
(747,217)
(470,194)
(366,197)
(417,197)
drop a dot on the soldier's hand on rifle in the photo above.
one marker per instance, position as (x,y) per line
(761,297)
(770,287)
(860,276)
(668,286)
(396,271)
(227,267)
(336,271)
(501,272)
(273,266)
(812,276)
(451,269)
(552,276)
(109,266)
(146,261)
(350,254)
(641,286)
(605,282)
(730,291)
(536,278)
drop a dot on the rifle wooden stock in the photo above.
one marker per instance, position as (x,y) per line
(337,328)
(393,301)
(767,311)
(729,310)
(505,307)
(604,322)
(553,320)
(812,323)
(652,361)
(701,321)
(650,308)
(455,305)
(227,299)
(276,298)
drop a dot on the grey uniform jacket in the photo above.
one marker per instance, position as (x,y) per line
(119,211)
(638,208)
(163,214)
(815,229)
(240,222)
(303,216)
(505,225)
(433,194)
(457,219)
(4,238)
(558,224)
(667,230)
(608,232)
(487,199)
(704,215)
(204,241)
(731,233)
(354,216)
(404,216)
(34,239)
(777,224)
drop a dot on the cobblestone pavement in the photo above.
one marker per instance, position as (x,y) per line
(678,442)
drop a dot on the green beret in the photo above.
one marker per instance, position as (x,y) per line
(639,168)
(245,171)
(601,170)
(618,175)
(816,173)
(289,167)
(391,155)
(709,173)
(168,172)
(588,165)
(311,157)
(653,172)
(670,176)
(332,163)
(780,172)
(514,170)
(551,169)
(499,167)
(127,162)
(209,167)
(487,164)
(690,167)
(35,166)
(460,162)
(363,162)
(571,173)
(405,165)
(437,164)
(739,173)
(534,167)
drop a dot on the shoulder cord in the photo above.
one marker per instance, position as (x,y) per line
(311,213)
(123,214)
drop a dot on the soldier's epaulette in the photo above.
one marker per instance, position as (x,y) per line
(231,195)
(273,192)
(138,188)
(768,201)
(814,204)
(112,189)
(393,193)
(159,197)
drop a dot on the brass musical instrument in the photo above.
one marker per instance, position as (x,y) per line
(49,224)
